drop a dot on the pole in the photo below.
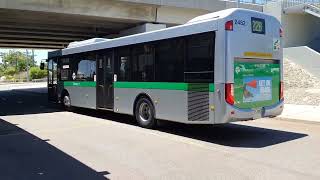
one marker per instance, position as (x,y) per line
(33,63)
(27,54)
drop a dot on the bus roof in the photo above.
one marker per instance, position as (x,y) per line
(201,24)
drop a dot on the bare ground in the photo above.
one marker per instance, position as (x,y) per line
(300,87)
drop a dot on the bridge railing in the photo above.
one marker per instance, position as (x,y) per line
(290,3)
(285,3)
(257,2)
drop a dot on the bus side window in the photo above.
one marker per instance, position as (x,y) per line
(124,64)
(143,63)
(64,68)
(200,58)
(83,67)
(124,68)
(169,57)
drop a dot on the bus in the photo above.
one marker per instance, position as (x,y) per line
(217,68)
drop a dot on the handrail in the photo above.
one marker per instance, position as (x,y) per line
(291,3)
(285,3)
(255,2)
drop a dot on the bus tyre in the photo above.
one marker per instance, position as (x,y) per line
(145,113)
(66,101)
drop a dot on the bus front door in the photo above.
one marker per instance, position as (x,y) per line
(52,80)
(105,81)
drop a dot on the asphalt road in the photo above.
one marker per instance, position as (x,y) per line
(39,140)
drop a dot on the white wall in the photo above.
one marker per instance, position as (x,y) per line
(274,9)
(300,29)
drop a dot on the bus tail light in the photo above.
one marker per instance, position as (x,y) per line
(281,32)
(229,93)
(229,25)
(281,91)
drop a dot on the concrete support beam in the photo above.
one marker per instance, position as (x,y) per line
(58,22)
(31,46)
(142,28)
(53,38)
(174,15)
(209,5)
(100,8)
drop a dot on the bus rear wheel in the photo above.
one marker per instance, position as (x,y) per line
(145,113)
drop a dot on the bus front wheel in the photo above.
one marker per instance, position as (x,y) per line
(145,113)
(67,102)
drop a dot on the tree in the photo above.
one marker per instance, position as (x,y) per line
(1,70)
(10,71)
(17,60)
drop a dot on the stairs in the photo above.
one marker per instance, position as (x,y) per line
(312,9)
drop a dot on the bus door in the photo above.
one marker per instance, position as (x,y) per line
(52,80)
(105,80)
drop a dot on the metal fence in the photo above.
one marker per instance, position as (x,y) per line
(258,2)
(285,3)
(290,3)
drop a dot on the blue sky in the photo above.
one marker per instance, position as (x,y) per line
(39,54)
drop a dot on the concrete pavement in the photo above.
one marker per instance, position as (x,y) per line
(306,113)
(38,87)
(40,141)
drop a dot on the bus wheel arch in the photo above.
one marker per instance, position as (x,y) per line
(143,102)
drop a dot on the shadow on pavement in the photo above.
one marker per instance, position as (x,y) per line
(26,101)
(25,156)
(233,135)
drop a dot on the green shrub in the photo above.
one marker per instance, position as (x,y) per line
(10,71)
(37,73)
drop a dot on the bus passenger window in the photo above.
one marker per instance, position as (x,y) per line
(169,60)
(64,74)
(63,69)
(124,69)
(83,67)
(143,63)
(200,58)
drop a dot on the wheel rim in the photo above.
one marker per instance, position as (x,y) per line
(145,112)
(66,101)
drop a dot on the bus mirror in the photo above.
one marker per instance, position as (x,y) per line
(42,66)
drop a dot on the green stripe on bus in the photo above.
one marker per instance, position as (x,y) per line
(157,85)
(79,83)
(152,85)
(211,87)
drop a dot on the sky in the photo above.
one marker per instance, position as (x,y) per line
(39,54)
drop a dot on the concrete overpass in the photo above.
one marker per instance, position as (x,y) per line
(301,22)
(53,24)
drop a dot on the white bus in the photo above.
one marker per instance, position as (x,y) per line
(217,68)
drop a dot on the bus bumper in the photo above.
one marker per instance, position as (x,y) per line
(236,114)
